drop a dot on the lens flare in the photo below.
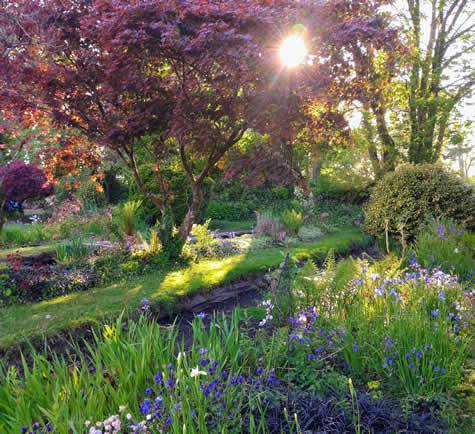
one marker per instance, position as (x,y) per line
(293,51)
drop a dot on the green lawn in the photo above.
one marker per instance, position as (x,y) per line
(18,323)
(31,250)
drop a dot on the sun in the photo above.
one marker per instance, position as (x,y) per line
(293,51)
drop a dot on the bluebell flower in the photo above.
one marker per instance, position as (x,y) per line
(202,351)
(311,356)
(259,371)
(434,313)
(169,420)
(443,371)
(148,391)
(205,362)
(201,315)
(355,347)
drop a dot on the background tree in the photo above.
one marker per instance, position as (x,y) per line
(20,181)
(441,70)
(460,147)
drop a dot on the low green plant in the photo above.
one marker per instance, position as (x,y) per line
(309,233)
(292,221)
(127,217)
(72,251)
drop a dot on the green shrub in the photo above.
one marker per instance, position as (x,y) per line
(292,221)
(404,200)
(448,247)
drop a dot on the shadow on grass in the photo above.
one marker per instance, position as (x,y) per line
(165,289)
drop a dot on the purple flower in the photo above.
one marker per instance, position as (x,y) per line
(434,313)
(201,316)
(355,347)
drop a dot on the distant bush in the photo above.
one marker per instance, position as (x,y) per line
(403,201)
(229,211)
(91,196)
(356,193)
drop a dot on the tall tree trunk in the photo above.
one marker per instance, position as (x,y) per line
(193,210)
(371,142)
(389,153)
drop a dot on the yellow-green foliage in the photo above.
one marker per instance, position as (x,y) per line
(127,217)
(292,221)
(404,200)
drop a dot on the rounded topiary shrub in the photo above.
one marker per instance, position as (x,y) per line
(404,200)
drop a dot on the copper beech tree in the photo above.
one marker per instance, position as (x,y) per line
(169,79)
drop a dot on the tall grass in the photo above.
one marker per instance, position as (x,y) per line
(118,369)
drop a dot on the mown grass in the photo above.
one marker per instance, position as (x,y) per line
(32,250)
(164,289)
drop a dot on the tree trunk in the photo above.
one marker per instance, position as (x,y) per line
(193,211)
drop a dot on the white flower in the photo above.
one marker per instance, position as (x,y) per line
(87,423)
(149,417)
(121,408)
(456,250)
(48,316)
(195,372)
(128,416)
